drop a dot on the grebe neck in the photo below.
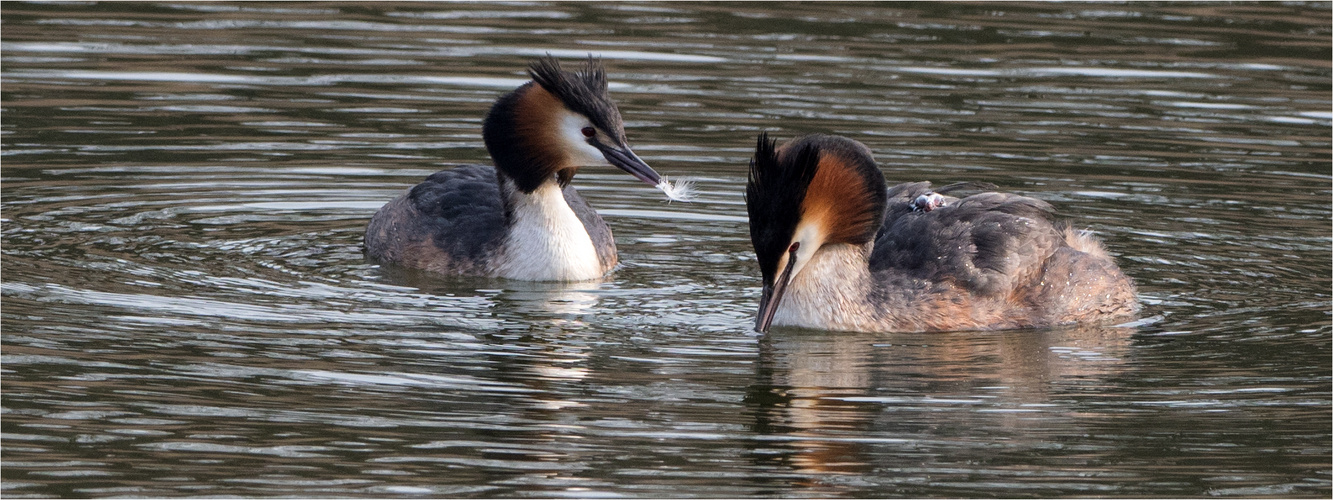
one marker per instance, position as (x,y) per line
(832,291)
(546,240)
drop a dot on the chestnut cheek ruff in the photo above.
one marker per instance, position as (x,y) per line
(538,112)
(518,134)
(846,198)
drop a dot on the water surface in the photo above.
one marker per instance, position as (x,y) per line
(187,310)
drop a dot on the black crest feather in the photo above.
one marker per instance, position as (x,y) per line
(773,196)
(583,91)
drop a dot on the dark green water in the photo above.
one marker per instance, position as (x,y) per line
(187,312)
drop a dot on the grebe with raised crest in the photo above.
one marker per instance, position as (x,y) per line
(520,219)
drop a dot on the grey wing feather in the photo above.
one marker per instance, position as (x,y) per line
(987,242)
(462,210)
(448,223)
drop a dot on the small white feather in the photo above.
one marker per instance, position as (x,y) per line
(682,190)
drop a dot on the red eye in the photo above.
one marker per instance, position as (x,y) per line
(588,132)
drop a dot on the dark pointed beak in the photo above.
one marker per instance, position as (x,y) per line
(772,297)
(625,159)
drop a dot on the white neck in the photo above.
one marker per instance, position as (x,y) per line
(831,292)
(546,241)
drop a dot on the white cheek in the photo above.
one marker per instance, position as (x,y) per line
(571,135)
(811,236)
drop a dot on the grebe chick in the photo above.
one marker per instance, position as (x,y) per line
(521,219)
(840,252)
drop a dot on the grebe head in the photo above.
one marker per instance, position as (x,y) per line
(814,190)
(556,123)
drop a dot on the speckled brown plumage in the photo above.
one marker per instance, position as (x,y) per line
(986,261)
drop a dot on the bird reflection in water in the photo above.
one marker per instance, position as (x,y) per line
(855,403)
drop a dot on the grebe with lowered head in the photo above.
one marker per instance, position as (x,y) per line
(521,219)
(840,252)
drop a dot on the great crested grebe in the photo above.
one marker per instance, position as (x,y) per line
(521,219)
(839,252)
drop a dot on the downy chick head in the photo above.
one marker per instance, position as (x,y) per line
(812,191)
(558,122)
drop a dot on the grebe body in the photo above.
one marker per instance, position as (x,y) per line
(839,251)
(520,219)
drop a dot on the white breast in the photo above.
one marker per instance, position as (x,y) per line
(546,241)
(829,293)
